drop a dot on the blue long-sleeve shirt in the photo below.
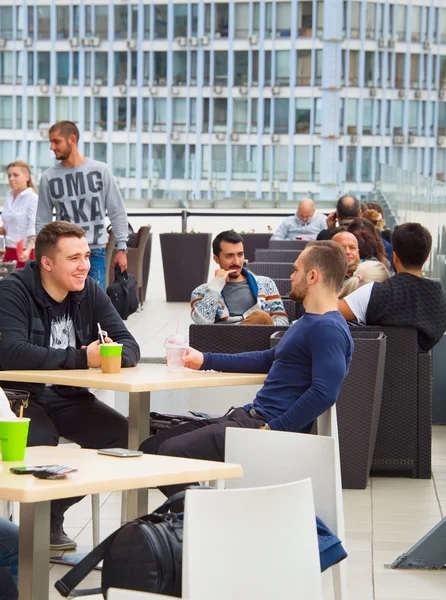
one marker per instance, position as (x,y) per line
(305,370)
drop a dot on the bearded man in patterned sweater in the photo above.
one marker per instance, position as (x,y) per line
(236,295)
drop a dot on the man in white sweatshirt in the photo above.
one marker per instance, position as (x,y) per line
(83,191)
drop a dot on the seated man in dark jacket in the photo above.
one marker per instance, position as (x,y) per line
(49,313)
(305,370)
(407,299)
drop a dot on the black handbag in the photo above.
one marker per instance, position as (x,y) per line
(123,293)
(143,555)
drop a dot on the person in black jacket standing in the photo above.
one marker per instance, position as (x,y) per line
(48,320)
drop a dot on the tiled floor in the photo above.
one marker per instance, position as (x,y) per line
(382,521)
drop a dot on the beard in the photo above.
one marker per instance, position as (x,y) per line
(64,155)
(298,294)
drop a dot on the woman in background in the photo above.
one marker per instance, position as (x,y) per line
(367,271)
(19,214)
(369,241)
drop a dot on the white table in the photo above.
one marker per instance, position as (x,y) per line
(96,474)
(138,382)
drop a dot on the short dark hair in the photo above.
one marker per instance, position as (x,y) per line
(66,128)
(49,236)
(329,258)
(412,244)
(348,207)
(336,230)
(230,236)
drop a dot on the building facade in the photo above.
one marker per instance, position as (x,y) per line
(244,99)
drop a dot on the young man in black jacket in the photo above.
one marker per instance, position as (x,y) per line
(48,320)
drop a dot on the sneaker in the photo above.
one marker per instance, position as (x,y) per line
(59,539)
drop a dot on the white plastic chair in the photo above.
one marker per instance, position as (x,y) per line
(274,457)
(257,543)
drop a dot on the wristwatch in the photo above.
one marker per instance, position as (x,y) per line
(125,250)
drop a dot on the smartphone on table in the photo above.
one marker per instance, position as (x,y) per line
(120,452)
(29,470)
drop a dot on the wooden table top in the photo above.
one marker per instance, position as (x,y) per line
(98,473)
(143,378)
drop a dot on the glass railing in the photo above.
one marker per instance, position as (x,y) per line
(411,197)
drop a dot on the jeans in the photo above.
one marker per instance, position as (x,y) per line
(98,266)
(9,547)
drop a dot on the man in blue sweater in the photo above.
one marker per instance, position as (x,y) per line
(305,370)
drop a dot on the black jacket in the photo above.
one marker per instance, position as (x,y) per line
(25,323)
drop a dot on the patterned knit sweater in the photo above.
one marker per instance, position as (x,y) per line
(208,303)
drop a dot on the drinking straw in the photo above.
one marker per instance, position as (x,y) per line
(21,412)
(100,333)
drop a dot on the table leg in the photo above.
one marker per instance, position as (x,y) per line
(34,551)
(139,430)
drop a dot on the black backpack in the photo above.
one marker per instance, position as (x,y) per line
(144,555)
(123,293)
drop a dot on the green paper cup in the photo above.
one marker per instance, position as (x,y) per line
(111,358)
(13,438)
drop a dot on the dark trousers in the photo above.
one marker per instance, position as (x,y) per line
(76,414)
(203,440)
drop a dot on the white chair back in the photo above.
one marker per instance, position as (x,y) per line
(255,543)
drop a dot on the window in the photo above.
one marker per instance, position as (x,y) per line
(43,67)
(179,68)
(414,70)
(282,67)
(134,30)
(100,113)
(351,116)
(303,115)
(241,68)
(318,74)
(180,20)
(305,19)
(443,72)
(318,116)
(399,71)
(101,21)
(320,18)
(45,157)
(160,22)
(355,18)
(119,160)
(401,22)
(179,114)
(146,19)
(6,69)
(160,67)
(63,22)
(281,116)
(159,114)
(367,122)
(121,21)
(220,114)
(302,163)
(369,69)
(194,20)
(221,20)
(119,114)
(366,164)
(442,25)
(63,68)
(241,20)
(178,161)
(221,68)
(416,23)
(268,67)
(280,163)
(353,72)
(303,67)
(351,163)
(89,28)
(6,22)
(43,22)
(441,118)
(244,162)
(397,107)
(240,115)
(120,68)
(254,113)
(268,20)
(6,112)
(370,20)
(283,19)
(100,151)
(101,66)
(43,110)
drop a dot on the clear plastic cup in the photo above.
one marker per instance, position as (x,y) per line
(175,346)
